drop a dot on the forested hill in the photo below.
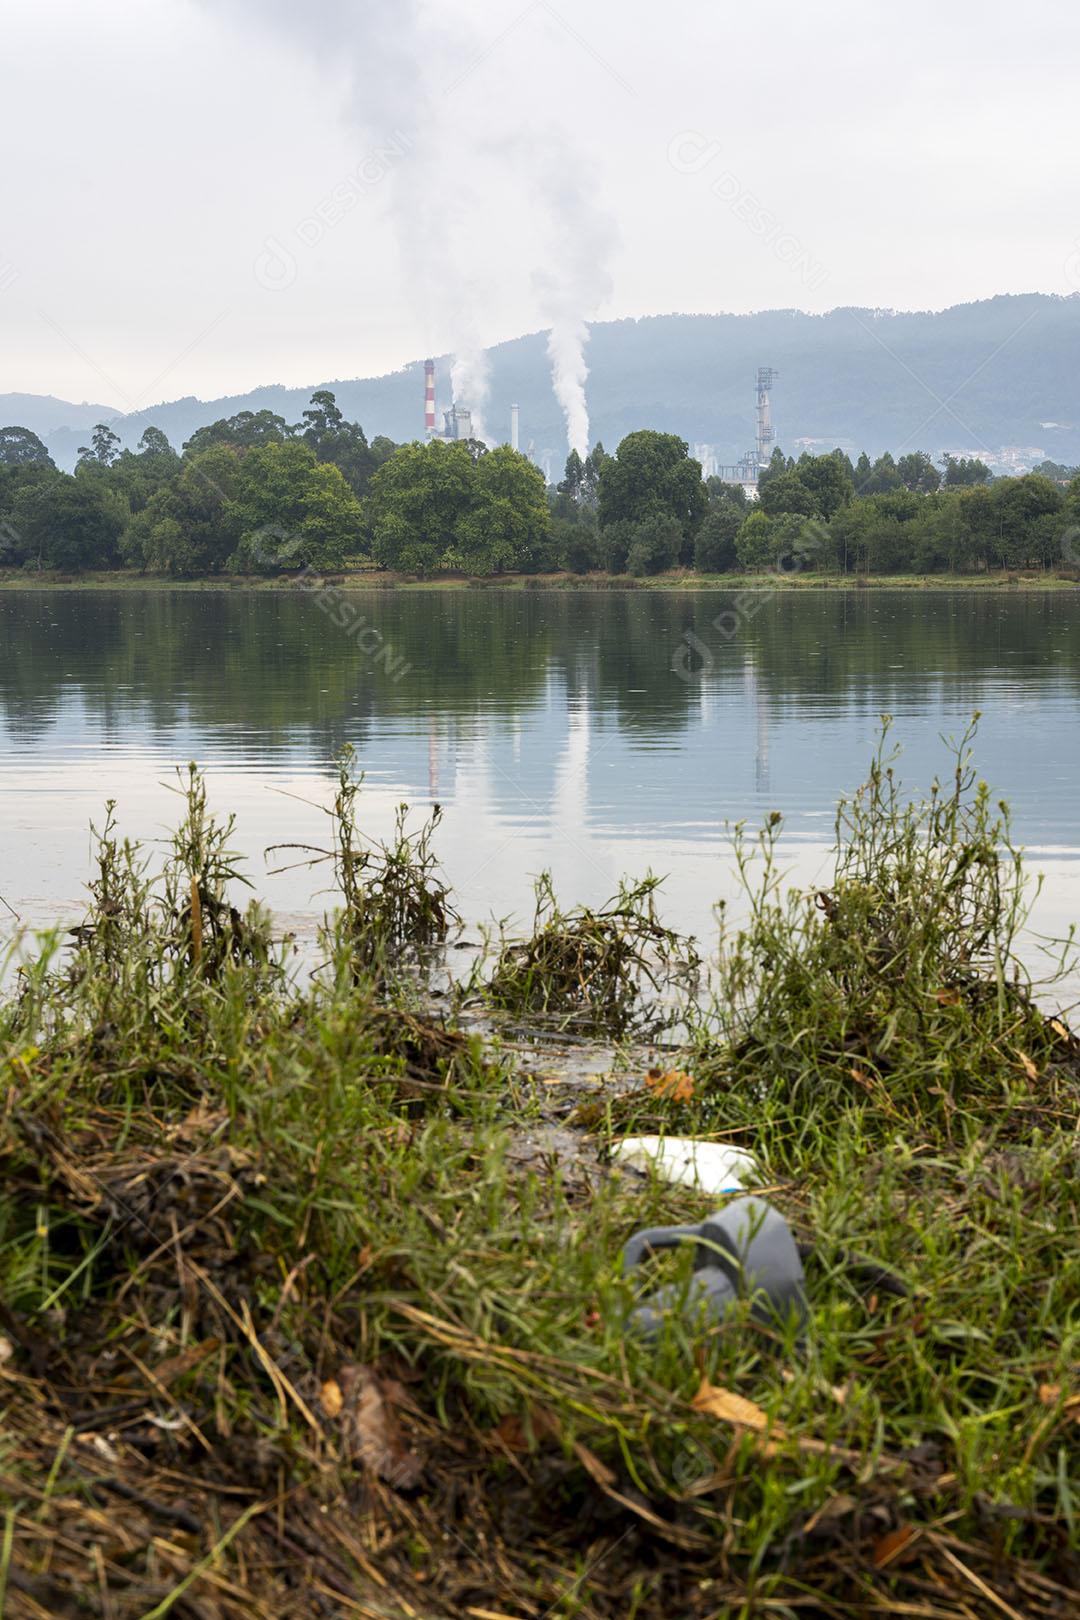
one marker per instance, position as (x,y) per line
(1003,372)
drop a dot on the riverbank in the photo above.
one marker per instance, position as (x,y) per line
(678,580)
(311,1291)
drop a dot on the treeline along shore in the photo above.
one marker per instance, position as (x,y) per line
(253,496)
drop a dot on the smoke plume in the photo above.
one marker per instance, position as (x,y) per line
(577,279)
(397,67)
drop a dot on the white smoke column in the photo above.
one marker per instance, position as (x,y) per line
(398,62)
(401,63)
(470,379)
(569,373)
(571,291)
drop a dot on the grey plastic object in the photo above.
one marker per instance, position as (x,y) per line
(745,1250)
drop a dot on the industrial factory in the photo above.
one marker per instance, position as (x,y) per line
(745,471)
(458,424)
(457,421)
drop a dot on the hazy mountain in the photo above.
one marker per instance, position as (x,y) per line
(1003,372)
(44,413)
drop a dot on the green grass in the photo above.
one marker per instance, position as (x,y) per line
(275,1249)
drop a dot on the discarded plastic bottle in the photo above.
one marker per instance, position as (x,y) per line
(744,1251)
(711,1167)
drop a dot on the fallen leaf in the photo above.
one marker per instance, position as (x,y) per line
(889,1548)
(947,998)
(674,1084)
(167,1371)
(1028,1066)
(729,1407)
(370,1427)
(331,1399)
(7,1349)
(1060,1029)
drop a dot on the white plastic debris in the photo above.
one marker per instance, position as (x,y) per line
(710,1167)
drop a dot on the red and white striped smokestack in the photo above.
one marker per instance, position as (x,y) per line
(429,396)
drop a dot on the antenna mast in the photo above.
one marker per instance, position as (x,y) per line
(766,435)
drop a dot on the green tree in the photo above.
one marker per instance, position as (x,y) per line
(70,524)
(573,477)
(754,546)
(154,444)
(653,474)
(103,449)
(590,485)
(1028,515)
(884,477)
(1056,471)
(829,480)
(191,525)
(19,447)
(787,493)
(325,431)
(416,502)
(917,472)
(862,475)
(294,511)
(714,545)
(778,463)
(574,542)
(721,493)
(247,430)
(961,471)
(655,544)
(507,525)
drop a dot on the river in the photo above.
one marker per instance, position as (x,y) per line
(595,733)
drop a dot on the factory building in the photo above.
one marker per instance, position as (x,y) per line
(457,421)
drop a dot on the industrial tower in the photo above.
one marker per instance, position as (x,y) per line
(765,433)
(429,398)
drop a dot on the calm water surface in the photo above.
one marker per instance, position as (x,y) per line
(595,733)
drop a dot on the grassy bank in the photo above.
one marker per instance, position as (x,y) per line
(677,580)
(310,1299)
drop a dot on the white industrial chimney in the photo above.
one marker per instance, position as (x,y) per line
(514,415)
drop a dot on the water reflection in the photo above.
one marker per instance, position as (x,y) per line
(550,724)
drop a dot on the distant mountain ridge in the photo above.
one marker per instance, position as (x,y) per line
(977,377)
(44,413)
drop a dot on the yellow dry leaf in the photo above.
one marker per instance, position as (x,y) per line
(1059,1029)
(729,1407)
(1028,1066)
(676,1085)
(947,998)
(331,1399)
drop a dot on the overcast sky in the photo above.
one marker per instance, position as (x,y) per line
(204,195)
